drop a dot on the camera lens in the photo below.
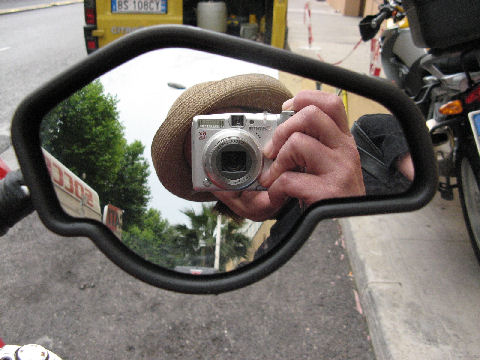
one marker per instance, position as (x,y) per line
(234,161)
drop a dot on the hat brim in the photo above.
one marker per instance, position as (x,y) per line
(252,92)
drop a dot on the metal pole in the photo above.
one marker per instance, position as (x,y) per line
(217,243)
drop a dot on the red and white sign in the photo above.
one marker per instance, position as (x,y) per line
(71,184)
(112,217)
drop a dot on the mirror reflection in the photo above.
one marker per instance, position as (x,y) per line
(177,153)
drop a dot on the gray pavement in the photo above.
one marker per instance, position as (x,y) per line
(417,276)
(65,295)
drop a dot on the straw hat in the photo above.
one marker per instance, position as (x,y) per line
(252,92)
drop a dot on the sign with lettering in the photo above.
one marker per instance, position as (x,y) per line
(75,196)
(112,217)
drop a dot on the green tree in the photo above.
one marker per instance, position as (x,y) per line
(195,241)
(198,241)
(152,239)
(129,191)
(186,245)
(84,133)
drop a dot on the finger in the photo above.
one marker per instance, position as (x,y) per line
(231,199)
(300,151)
(288,105)
(287,186)
(330,104)
(253,205)
(310,188)
(311,121)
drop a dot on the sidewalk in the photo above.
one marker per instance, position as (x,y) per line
(416,273)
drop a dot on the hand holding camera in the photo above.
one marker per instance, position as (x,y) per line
(313,157)
(227,150)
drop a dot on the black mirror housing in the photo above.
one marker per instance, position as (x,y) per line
(26,126)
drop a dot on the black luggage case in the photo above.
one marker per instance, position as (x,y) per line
(441,24)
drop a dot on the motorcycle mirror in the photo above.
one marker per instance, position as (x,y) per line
(368,27)
(81,140)
(113,157)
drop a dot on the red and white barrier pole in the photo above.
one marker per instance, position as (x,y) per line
(307,20)
(375,63)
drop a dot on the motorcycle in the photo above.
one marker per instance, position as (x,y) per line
(444,82)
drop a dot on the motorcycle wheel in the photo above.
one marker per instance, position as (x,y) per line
(469,190)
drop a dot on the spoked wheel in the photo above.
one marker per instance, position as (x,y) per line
(469,182)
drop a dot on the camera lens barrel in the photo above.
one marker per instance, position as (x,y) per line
(232,159)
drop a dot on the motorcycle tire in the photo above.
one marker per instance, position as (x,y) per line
(468,178)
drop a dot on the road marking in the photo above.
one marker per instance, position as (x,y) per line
(36,7)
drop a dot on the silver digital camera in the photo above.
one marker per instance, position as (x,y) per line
(227,149)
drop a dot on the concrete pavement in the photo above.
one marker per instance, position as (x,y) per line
(417,276)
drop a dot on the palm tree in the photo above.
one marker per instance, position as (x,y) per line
(201,238)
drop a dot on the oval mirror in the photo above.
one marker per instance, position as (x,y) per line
(97,147)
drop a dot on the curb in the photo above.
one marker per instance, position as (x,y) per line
(367,299)
(37,7)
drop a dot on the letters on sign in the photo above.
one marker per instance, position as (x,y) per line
(113,217)
(70,183)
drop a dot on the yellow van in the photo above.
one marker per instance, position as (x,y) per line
(260,20)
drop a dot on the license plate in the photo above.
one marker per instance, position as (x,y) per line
(474,118)
(139,6)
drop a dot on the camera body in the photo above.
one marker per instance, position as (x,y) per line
(227,149)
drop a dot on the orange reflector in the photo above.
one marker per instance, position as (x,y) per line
(451,108)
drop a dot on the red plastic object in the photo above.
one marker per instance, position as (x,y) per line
(4,169)
(2,344)
(474,96)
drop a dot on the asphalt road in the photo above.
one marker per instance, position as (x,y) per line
(64,294)
(35,46)
(21,4)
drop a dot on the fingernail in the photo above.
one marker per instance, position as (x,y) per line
(268,149)
(288,105)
